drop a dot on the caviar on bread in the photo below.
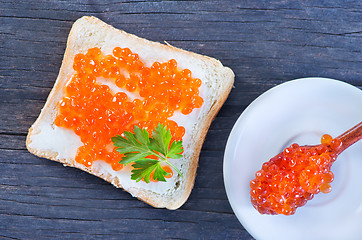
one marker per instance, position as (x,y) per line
(112,83)
(96,113)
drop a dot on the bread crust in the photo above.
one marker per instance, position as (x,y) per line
(50,109)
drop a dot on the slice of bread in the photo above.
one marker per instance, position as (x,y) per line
(47,140)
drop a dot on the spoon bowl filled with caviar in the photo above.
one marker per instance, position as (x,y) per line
(291,178)
(278,126)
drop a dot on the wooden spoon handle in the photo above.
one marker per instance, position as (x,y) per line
(350,137)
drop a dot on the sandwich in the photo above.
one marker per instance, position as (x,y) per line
(131,111)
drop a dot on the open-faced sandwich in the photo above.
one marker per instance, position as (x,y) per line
(131,111)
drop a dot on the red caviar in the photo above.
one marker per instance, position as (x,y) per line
(292,177)
(96,113)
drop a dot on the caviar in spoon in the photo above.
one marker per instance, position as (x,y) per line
(294,176)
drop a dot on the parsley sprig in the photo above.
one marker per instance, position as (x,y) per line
(137,148)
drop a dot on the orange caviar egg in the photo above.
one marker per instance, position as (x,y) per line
(169,171)
(293,177)
(96,113)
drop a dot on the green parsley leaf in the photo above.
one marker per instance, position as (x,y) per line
(143,169)
(175,150)
(138,146)
(161,139)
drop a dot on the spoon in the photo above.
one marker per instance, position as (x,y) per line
(350,137)
(291,178)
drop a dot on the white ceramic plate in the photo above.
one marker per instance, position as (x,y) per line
(298,111)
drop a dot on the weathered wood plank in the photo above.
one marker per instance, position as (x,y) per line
(39,197)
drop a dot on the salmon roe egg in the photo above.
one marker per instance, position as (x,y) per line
(96,113)
(293,177)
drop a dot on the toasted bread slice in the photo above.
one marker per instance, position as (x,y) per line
(47,140)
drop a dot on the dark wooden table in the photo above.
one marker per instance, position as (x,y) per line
(265,43)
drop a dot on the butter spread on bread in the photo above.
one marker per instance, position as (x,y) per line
(49,140)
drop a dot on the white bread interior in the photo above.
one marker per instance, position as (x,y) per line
(59,144)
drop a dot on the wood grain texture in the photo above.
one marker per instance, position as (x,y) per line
(265,43)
